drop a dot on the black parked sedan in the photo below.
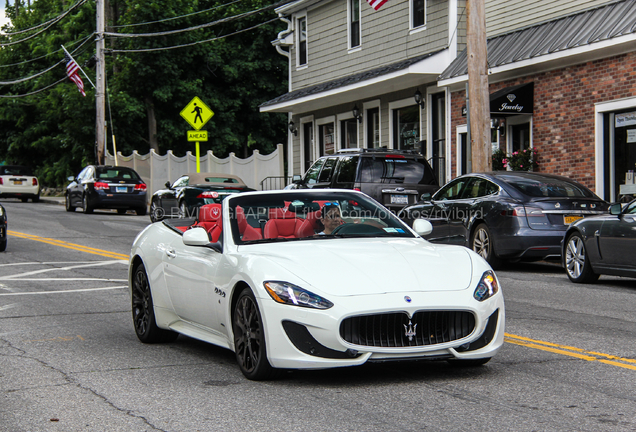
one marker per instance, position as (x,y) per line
(602,245)
(107,187)
(190,191)
(3,229)
(506,215)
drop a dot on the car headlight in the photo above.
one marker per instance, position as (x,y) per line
(487,287)
(286,293)
(1,211)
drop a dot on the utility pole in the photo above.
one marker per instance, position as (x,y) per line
(479,108)
(100,90)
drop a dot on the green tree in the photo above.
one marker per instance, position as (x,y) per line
(54,130)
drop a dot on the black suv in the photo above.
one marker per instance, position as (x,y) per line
(394,178)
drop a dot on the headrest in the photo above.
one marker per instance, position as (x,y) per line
(210,213)
(281,213)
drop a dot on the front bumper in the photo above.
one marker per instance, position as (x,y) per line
(302,338)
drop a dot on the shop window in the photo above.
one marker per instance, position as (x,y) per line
(349,130)
(406,127)
(326,139)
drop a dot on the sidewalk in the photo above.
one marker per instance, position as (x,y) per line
(52,200)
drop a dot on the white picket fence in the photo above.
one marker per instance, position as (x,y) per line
(156,170)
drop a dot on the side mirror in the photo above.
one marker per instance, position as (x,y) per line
(168,185)
(425,197)
(616,209)
(70,178)
(296,179)
(422,227)
(196,237)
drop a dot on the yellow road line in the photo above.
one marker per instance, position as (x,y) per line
(571,351)
(68,245)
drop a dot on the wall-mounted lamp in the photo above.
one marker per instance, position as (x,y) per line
(419,99)
(499,124)
(357,114)
(292,128)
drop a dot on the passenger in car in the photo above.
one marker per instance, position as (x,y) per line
(330,218)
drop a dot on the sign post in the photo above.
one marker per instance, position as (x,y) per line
(197,113)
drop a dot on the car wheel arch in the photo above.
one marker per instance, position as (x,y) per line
(472,226)
(134,262)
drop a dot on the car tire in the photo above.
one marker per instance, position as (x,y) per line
(121,211)
(24,199)
(85,206)
(67,203)
(183,210)
(36,198)
(143,312)
(481,242)
(3,245)
(249,338)
(469,362)
(156,213)
(141,211)
(577,263)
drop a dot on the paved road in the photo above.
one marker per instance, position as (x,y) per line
(70,361)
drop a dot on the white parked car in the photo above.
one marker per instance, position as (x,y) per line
(17,181)
(263,275)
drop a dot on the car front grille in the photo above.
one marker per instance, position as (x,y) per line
(397,330)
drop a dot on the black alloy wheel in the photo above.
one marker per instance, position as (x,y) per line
(86,208)
(482,243)
(67,202)
(249,338)
(156,213)
(143,312)
(577,263)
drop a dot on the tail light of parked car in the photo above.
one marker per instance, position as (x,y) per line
(101,186)
(35,181)
(140,187)
(1,181)
(208,194)
(534,215)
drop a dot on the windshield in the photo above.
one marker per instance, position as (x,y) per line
(15,170)
(116,172)
(547,187)
(310,215)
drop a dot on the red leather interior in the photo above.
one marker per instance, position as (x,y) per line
(210,218)
(247,231)
(282,224)
(309,225)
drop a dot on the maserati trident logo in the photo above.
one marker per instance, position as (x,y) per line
(410,331)
(407,299)
(215,212)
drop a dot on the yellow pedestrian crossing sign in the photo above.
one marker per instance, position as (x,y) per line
(196,113)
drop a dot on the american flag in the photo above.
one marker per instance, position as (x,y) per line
(72,70)
(376,4)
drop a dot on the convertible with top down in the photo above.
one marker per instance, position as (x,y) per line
(256,274)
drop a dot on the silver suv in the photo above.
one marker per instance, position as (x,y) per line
(394,178)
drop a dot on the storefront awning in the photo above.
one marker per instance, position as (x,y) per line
(517,99)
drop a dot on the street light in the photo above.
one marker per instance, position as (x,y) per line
(356,113)
(292,128)
(419,99)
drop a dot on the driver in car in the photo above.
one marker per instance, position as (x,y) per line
(330,218)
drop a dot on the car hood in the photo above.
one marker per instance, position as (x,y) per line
(350,267)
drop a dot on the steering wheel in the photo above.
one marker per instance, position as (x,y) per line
(353,228)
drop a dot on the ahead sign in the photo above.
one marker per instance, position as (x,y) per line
(197,113)
(197,135)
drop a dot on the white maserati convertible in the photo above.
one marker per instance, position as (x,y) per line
(311,280)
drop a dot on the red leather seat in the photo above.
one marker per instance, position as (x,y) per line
(248,232)
(210,218)
(282,224)
(308,227)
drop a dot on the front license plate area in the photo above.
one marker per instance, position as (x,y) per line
(567,220)
(399,199)
(121,189)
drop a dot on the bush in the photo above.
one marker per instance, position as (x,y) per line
(523,160)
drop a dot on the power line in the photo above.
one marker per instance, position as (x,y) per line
(192,43)
(21,80)
(174,18)
(45,23)
(210,24)
(47,55)
(59,17)
(33,92)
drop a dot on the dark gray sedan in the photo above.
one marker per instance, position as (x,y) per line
(602,245)
(506,215)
